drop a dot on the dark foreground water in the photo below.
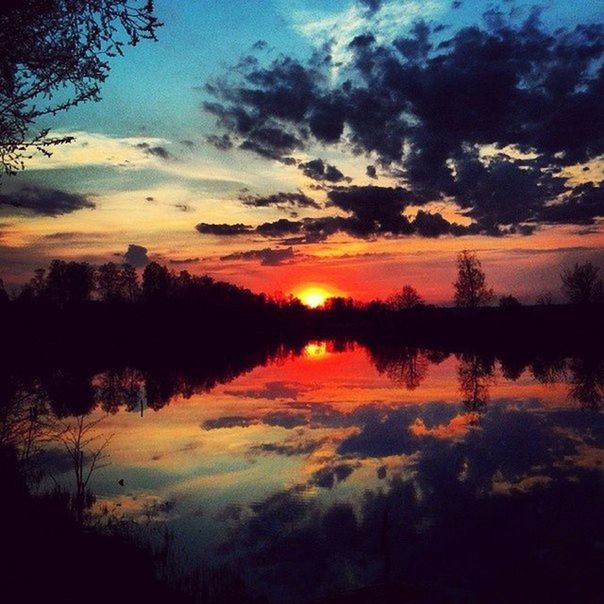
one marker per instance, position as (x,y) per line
(338,471)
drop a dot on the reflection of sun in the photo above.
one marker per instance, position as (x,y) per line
(313,296)
(315,350)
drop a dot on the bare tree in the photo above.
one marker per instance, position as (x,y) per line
(471,289)
(87,451)
(408,297)
(63,46)
(582,284)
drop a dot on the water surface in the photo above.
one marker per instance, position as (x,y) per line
(330,468)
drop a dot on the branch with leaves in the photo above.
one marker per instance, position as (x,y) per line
(54,56)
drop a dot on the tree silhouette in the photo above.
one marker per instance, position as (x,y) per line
(471,290)
(156,282)
(55,47)
(69,282)
(582,284)
(117,284)
(509,302)
(408,297)
(4,299)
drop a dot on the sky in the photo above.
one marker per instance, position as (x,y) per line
(356,145)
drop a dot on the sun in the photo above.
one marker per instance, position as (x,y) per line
(313,297)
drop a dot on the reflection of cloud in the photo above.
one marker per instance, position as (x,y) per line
(328,476)
(271,391)
(289,447)
(457,428)
(227,422)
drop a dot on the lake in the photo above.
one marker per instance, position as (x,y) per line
(322,470)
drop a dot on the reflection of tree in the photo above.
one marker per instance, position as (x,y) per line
(549,370)
(120,387)
(475,375)
(25,422)
(405,366)
(87,451)
(587,382)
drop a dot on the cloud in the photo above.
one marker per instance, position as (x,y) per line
(280,200)
(288,448)
(183,207)
(75,235)
(45,202)
(371,5)
(227,422)
(328,476)
(317,169)
(485,117)
(367,221)
(278,228)
(222,142)
(582,205)
(155,151)
(271,391)
(136,256)
(183,260)
(267,256)
(222,229)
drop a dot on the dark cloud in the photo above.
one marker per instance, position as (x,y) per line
(424,106)
(183,207)
(371,171)
(270,390)
(266,256)
(222,229)
(136,256)
(288,448)
(374,209)
(371,5)
(280,200)
(279,228)
(74,235)
(328,476)
(504,191)
(223,142)
(227,422)
(583,205)
(183,260)
(155,150)
(45,202)
(285,419)
(368,222)
(317,169)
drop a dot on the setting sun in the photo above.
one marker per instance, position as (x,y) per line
(314,296)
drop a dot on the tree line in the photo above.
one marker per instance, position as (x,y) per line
(66,283)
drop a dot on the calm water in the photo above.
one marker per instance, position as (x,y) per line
(332,468)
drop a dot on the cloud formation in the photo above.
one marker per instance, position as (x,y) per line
(317,169)
(279,200)
(266,256)
(136,256)
(45,202)
(486,117)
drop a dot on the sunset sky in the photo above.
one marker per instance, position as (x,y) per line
(354,145)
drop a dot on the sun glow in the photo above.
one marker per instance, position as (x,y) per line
(313,296)
(315,350)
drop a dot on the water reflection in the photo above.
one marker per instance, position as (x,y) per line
(322,468)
